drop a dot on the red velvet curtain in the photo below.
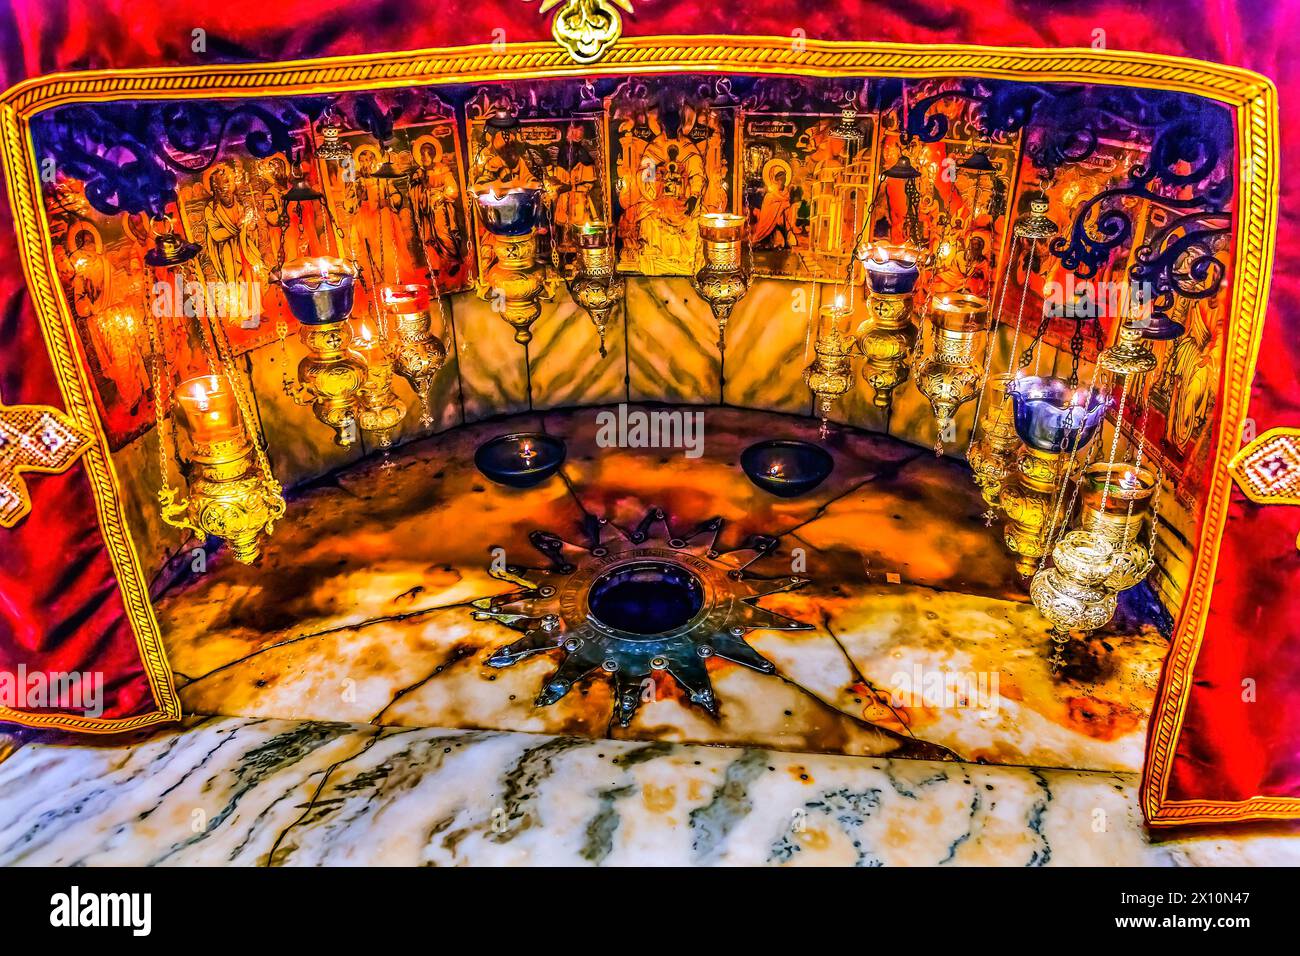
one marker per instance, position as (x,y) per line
(59,606)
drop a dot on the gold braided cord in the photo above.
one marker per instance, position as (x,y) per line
(1251,96)
(773,54)
(36,255)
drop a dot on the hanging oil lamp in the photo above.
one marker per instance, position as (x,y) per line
(1131,354)
(906,176)
(1027,232)
(1117,503)
(722,281)
(976,166)
(319,292)
(169,249)
(847,130)
(950,375)
(1160,326)
(1072,593)
(300,190)
(386,172)
(994,442)
(1053,421)
(517,280)
(231,492)
(417,353)
(992,458)
(886,338)
(830,375)
(330,148)
(1035,225)
(597,287)
(381,412)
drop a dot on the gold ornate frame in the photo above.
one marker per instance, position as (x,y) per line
(1253,99)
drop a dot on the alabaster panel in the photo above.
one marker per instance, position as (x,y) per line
(768,341)
(565,361)
(493,369)
(672,343)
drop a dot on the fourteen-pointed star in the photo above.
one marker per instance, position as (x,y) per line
(635,605)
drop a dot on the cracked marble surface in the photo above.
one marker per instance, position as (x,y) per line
(358,610)
(256,792)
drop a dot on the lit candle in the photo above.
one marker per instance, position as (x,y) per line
(891,271)
(595,244)
(405,298)
(206,409)
(786,468)
(722,227)
(366,341)
(319,291)
(520,460)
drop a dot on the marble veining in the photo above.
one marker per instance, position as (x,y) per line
(254,792)
(358,610)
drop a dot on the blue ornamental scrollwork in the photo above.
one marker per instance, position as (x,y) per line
(1181,259)
(998,110)
(1186,171)
(924,122)
(110,148)
(129,154)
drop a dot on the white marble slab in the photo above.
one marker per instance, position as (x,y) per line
(238,791)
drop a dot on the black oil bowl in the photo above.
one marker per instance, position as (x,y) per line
(786,468)
(520,460)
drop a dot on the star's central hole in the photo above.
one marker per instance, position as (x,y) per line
(648,597)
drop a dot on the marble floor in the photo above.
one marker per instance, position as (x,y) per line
(346,714)
(921,640)
(257,792)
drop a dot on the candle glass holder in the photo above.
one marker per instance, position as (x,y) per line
(992,456)
(206,410)
(229,497)
(597,287)
(381,412)
(417,353)
(721,281)
(1054,422)
(516,282)
(1116,503)
(890,269)
(949,375)
(319,292)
